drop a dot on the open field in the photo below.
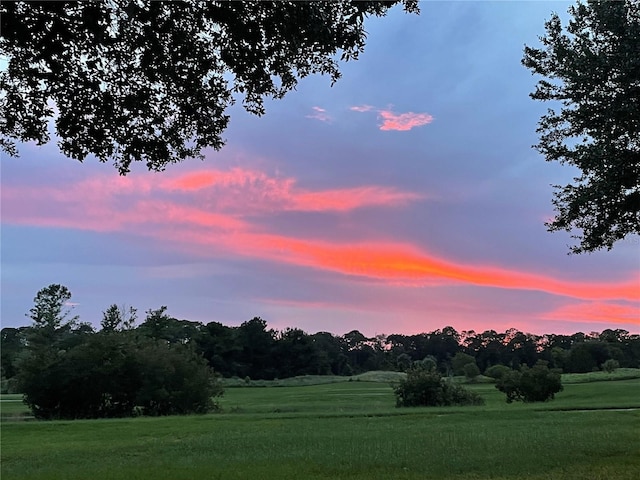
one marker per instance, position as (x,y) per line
(347,430)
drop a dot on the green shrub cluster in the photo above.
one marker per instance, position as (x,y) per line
(535,384)
(497,371)
(115,375)
(426,387)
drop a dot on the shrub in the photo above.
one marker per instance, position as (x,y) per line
(424,387)
(497,371)
(471,371)
(459,361)
(113,375)
(427,363)
(536,384)
(610,365)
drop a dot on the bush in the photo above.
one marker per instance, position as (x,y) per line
(497,371)
(536,384)
(459,361)
(424,387)
(174,381)
(471,371)
(610,365)
(113,375)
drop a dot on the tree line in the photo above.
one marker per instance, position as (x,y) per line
(256,351)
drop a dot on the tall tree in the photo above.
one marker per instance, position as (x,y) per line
(53,322)
(51,308)
(151,81)
(117,318)
(593,70)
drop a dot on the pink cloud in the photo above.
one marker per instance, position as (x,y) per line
(190,212)
(320,114)
(249,191)
(403,121)
(229,179)
(396,121)
(597,312)
(350,199)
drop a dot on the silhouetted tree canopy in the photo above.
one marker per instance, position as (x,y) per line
(164,365)
(152,81)
(535,384)
(593,70)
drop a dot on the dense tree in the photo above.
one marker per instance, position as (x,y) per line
(295,354)
(152,81)
(161,326)
(217,344)
(174,380)
(69,371)
(332,351)
(497,371)
(12,347)
(520,349)
(362,356)
(403,362)
(426,387)
(114,374)
(594,71)
(535,384)
(256,345)
(471,371)
(459,361)
(43,372)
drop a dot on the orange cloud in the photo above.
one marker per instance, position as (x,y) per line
(403,121)
(597,312)
(407,265)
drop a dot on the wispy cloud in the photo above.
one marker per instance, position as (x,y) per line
(362,108)
(596,312)
(396,121)
(189,212)
(348,199)
(251,191)
(212,199)
(321,114)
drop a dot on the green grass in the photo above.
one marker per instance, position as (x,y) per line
(421,445)
(11,407)
(347,430)
(618,374)
(374,376)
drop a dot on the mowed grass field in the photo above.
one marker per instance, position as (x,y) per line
(348,430)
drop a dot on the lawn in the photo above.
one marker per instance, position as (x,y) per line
(348,430)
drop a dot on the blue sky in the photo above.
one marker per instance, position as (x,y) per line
(405,198)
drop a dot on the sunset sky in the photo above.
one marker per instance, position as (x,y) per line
(405,198)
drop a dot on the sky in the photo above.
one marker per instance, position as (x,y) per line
(403,199)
